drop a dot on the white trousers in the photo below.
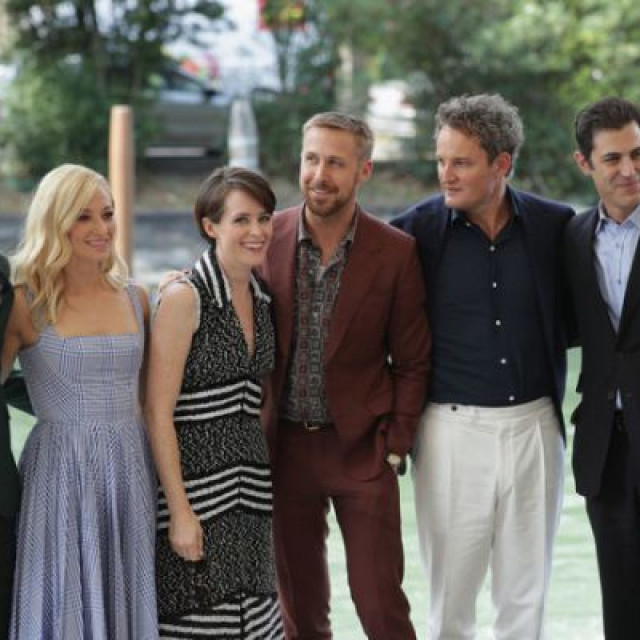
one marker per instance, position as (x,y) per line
(488,491)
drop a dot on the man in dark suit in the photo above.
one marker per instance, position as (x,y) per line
(488,460)
(348,389)
(14,392)
(604,272)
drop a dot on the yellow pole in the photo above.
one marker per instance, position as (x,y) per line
(122,177)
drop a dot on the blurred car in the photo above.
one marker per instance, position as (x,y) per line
(191,114)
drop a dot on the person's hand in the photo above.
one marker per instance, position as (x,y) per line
(186,537)
(169,277)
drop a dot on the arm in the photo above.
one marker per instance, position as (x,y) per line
(169,347)
(19,332)
(409,346)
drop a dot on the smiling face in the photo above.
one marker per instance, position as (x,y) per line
(92,234)
(470,182)
(331,171)
(614,167)
(243,233)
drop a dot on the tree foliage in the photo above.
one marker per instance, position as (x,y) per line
(307,62)
(84,56)
(105,34)
(549,57)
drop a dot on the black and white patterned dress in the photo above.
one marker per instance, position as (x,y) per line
(225,467)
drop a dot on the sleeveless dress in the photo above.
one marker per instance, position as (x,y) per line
(86,534)
(231,593)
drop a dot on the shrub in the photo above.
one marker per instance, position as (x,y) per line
(53,115)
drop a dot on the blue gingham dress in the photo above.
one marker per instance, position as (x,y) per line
(86,531)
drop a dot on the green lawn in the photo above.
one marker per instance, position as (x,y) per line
(574,605)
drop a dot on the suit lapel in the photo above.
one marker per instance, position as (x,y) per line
(632,293)
(429,231)
(360,271)
(282,274)
(585,258)
(537,242)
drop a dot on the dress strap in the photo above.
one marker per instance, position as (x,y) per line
(137,304)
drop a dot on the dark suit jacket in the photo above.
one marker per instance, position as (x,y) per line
(543,222)
(610,360)
(376,361)
(15,393)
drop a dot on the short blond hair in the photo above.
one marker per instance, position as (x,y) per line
(344,122)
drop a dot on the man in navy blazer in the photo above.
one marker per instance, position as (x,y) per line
(604,273)
(488,457)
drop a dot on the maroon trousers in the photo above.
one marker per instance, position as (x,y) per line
(309,476)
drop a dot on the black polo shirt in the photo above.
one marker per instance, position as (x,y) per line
(488,343)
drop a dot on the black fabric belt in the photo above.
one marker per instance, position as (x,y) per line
(306,425)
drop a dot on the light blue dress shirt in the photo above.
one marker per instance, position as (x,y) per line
(615,247)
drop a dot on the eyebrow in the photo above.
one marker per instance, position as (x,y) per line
(610,155)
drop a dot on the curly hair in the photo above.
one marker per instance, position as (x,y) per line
(489,118)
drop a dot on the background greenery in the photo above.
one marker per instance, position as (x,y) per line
(550,57)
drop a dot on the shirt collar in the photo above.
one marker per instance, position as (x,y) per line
(456,216)
(305,235)
(603,218)
(216,282)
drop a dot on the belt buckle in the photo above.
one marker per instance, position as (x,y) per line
(310,426)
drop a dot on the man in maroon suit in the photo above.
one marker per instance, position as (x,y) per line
(349,386)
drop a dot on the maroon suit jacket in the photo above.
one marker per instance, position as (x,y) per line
(377,355)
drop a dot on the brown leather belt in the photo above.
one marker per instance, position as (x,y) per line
(306,425)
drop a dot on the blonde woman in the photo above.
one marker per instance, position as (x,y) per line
(86,526)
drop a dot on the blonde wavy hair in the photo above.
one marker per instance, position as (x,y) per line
(45,249)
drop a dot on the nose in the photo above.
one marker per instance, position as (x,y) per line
(628,167)
(319,171)
(102,226)
(255,227)
(445,170)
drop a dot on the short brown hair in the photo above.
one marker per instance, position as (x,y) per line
(344,122)
(609,114)
(214,190)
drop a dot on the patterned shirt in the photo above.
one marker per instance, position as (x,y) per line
(317,287)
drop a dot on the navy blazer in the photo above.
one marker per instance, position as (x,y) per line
(610,358)
(543,222)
